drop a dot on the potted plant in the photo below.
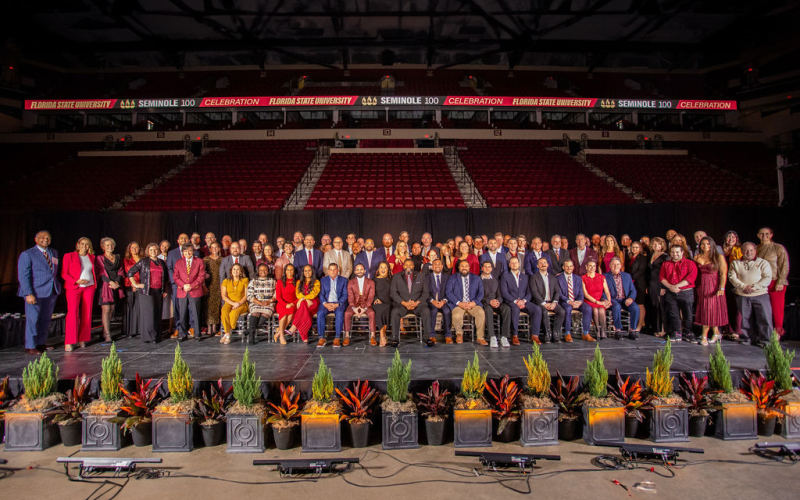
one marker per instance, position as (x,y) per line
(565,396)
(29,423)
(630,396)
(779,369)
(473,417)
(400,421)
(138,407)
(736,414)
(603,417)
(211,411)
(433,406)
(173,419)
(68,412)
(247,417)
(101,430)
(769,400)
(6,401)
(539,413)
(695,394)
(358,406)
(320,421)
(504,408)
(285,418)
(670,417)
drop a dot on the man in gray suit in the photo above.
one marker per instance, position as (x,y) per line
(339,256)
(236,257)
(557,255)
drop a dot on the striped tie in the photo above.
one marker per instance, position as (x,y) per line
(188,267)
(49,262)
(570,293)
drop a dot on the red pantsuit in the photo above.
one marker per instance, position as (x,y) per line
(777,300)
(303,317)
(80,300)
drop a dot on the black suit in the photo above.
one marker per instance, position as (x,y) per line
(491,291)
(557,263)
(538,294)
(400,293)
(447,308)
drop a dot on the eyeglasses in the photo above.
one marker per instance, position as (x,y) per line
(764,234)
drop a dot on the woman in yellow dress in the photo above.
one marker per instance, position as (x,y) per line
(234,296)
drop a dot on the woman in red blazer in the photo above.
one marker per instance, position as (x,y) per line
(464,253)
(80,283)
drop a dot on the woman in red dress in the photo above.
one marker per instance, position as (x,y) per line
(595,291)
(610,250)
(711,310)
(306,292)
(400,255)
(464,253)
(286,293)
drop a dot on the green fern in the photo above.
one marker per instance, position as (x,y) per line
(39,378)
(596,376)
(659,381)
(322,385)
(179,379)
(473,383)
(246,388)
(779,363)
(398,378)
(719,371)
(111,376)
(538,383)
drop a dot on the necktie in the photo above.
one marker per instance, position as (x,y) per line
(570,292)
(437,288)
(236,260)
(339,259)
(188,266)
(310,258)
(408,280)
(557,254)
(49,262)
(465,282)
(388,253)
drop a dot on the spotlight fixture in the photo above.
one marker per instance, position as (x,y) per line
(635,452)
(93,467)
(496,461)
(787,449)
(313,466)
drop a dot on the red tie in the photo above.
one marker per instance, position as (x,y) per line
(388,254)
(310,259)
(236,260)
(569,288)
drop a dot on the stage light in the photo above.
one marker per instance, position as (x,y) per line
(122,139)
(785,449)
(314,466)
(93,467)
(198,138)
(788,97)
(749,69)
(470,77)
(11,68)
(506,460)
(635,452)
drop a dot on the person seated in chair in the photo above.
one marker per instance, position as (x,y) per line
(262,300)
(545,293)
(465,293)
(332,300)
(493,303)
(515,291)
(360,295)
(410,296)
(438,301)
(571,287)
(623,295)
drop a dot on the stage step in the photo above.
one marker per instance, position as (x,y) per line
(302,193)
(472,197)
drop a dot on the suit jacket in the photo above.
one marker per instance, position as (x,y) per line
(244,260)
(301,260)
(174,256)
(372,266)
(577,288)
(627,285)
(347,263)
(501,265)
(511,291)
(196,277)
(538,293)
(71,270)
(556,263)
(35,276)
(531,261)
(325,290)
(419,288)
(442,295)
(455,289)
(580,267)
(491,290)
(381,249)
(365,299)
(281,263)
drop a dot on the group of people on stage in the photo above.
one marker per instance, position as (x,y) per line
(664,285)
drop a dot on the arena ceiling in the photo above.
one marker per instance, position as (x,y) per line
(659,34)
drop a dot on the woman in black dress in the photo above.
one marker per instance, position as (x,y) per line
(150,289)
(112,275)
(383,299)
(637,267)
(658,256)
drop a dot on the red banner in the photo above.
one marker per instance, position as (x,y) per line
(555,102)
(66,104)
(227,102)
(703,105)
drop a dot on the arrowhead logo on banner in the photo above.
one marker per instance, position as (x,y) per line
(369,101)
(127,104)
(608,103)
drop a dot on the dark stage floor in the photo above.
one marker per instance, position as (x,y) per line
(209,360)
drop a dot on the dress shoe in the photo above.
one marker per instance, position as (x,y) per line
(448,340)
(634,335)
(345,342)
(543,340)
(43,347)
(588,338)
(568,338)
(175,334)
(372,340)
(432,340)
(482,342)
(514,340)
(459,338)
(555,338)
(395,343)
(32,352)
(321,342)
(535,340)
(336,344)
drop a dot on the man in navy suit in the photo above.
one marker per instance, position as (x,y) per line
(623,295)
(37,270)
(557,255)
(546,293)
(309,255)
(332,300)
(410,294)
(369,258)
(465,293)
(531,262)
(515,292)
(497,259)
(572,299)
(438,300)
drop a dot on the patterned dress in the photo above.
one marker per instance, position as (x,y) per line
(262,289)
(711,309)
(213,300)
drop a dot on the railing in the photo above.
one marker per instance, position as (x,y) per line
(463,180)
(320,157)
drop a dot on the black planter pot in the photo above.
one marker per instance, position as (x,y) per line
(400,430)
(359,434)
(29,432)
(100,434)
(697,425)
(246,433)
(285,437)
(631,426)
(510,431)
(603,424)
(736,421)
(173,432)
(472,428)
(70,434)
(321,433)
(143,434)
(669,424)
(539,427)
(766,425)
(213,434)
(569,429)
(434,432)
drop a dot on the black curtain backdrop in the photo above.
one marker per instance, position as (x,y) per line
(17,229)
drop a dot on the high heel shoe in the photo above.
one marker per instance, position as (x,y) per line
(716,338)
(276,336)
(704,341)
(81,344)
(226,339)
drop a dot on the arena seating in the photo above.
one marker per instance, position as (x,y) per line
(23,160)
(682,179)
(752,160)
(517,173)
(384,180)
(247,175)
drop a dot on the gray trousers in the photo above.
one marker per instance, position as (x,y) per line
(756,317)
